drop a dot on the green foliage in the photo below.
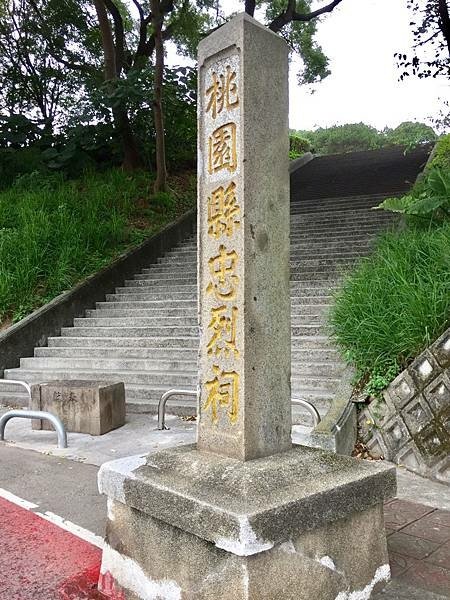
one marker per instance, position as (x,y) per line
(301,39)
(346,138)
(53,232)
(14,163)
(353,137)
(298,145)
(394,304)
(441,158)
(429,199)
(410,135)
(429,56)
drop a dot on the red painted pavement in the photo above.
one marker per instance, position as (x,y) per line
(41,561)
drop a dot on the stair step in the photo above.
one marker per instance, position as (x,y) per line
(124,342)
(299,356)
(161,378)
(154,364)
(118,352)
(135,321)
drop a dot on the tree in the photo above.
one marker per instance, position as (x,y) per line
(430,55)
(297,23)
(410,134)
(32,80)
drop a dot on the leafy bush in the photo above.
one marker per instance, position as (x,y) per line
(429,199)
(297,146)
(354,137)
(394,304)
(17,162)
(410,134)
(53,232)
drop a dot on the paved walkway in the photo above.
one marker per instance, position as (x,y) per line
(418,539)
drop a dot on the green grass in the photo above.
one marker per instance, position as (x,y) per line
(54,233)
(394,304)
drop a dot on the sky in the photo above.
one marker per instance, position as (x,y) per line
(360,38)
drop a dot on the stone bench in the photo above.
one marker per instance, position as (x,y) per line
(93,407)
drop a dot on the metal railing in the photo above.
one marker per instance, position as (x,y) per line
(32,414)
(163,401)
(176,392)
(35,414)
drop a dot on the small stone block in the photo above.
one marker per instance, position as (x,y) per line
(423,370)
(441,471)
(409,456)
(401,390)
(432,442)
(438,393)
(395,434)
(441,349)
(417,415)
(83,406)
(377,447)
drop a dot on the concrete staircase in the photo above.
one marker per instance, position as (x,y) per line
(146,333)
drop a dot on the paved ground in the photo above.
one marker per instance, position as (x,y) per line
(63,483)
(40,561)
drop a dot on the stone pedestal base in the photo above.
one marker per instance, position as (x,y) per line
(301,525)
(91,407)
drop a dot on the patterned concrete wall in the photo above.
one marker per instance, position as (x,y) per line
(412,425)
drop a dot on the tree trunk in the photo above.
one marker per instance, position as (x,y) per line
(161,170)
(131,155)
(444,22)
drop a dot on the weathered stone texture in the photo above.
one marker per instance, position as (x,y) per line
(303,524)
(243,242)
(83,406)
(320,564)
(412,424)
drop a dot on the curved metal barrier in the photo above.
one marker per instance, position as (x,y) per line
(35,414)
(175,392)
(163,401)
(310,408)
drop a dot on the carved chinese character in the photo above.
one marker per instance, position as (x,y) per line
(223,211)
(223,92)
(222,149)
(224,280)
(223,391)
(223,328)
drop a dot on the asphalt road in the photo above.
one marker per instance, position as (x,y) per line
(64,487)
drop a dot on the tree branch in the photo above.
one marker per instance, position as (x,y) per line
(250,6)
(444,22)
(119,34)
(291,15)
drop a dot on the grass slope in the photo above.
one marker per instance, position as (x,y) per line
(395,303)
(54,233)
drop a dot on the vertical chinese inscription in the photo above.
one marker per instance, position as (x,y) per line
(220,291)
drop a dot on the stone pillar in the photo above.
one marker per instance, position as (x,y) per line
(243,242)
(244,515)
